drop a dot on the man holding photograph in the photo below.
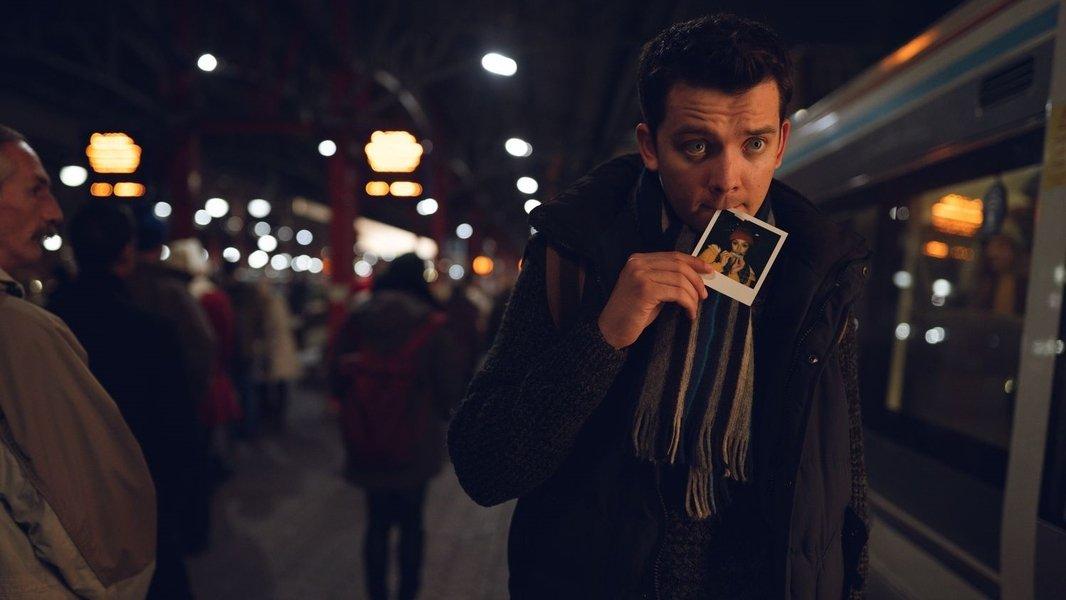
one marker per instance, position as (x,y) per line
(663,439)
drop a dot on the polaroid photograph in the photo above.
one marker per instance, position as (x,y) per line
(741,249)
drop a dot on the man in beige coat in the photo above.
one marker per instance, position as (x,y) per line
(77,505)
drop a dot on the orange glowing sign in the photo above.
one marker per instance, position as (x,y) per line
(129,189)
(113,153)
(936,249)
(405,189)
(377,188)
(100,189)
(393,152)
(483,265)
(958,214)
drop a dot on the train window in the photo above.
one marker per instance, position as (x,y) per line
(940,341)
(962,284)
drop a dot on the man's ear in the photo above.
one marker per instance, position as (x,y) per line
(646,143)
(786,128)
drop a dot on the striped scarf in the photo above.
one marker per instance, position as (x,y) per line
(695,403)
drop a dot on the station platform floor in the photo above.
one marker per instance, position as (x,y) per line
(287,526)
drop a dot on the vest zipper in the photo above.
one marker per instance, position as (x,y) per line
(810,328)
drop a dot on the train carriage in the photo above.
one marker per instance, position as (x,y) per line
(948,156)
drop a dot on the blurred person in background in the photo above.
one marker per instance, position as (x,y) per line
(219,409)
(162,289)
(281,366)
(395,372)
(78,513)
(248,313)
(463,328)
(137,357)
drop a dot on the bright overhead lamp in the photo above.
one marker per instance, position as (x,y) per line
(258,259)
(216,207)
(73,175)
(518,147)
(527,185)
(327,147)
(162,210)
(231,254)
(52,243)
(258,208)
(267,243)
(498,64)
(464,231)
(531,204)
(304,237)
(426,207)
(207,62)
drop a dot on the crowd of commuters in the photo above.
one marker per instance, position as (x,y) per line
(122,399)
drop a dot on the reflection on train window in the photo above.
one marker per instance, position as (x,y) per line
(962,287)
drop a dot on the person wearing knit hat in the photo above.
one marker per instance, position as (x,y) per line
(731,262)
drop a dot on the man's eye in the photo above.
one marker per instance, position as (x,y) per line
(695,148)
(756,144)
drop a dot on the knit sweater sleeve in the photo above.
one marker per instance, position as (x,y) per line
(537,387)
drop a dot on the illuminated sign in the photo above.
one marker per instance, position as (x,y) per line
(113,153)
(129,189)
(936,249)
(405,189)
(377,188)
(958,215)
(393,152)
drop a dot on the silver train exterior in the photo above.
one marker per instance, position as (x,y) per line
(949,155)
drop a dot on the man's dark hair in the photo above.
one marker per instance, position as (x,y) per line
(98,233)
(722,52)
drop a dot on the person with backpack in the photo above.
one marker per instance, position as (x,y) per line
(396,381)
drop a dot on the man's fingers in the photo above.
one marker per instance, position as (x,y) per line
(670,263)
(670,293)
(676,279)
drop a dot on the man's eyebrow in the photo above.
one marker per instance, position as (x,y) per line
(693,130)
(761,131)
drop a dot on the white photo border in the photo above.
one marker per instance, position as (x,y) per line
(734,289)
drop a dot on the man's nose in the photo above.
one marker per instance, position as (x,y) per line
(51,213)
(724,178)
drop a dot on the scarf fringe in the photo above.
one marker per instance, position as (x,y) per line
(736,441)
(699,494)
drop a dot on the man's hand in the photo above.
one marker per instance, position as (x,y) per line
(646,282)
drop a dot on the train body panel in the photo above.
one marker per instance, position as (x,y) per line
(944,156)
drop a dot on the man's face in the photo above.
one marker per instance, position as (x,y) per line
(740,246)
(716,151)
(28,211)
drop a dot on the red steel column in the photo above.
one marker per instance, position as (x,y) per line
(342,184)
